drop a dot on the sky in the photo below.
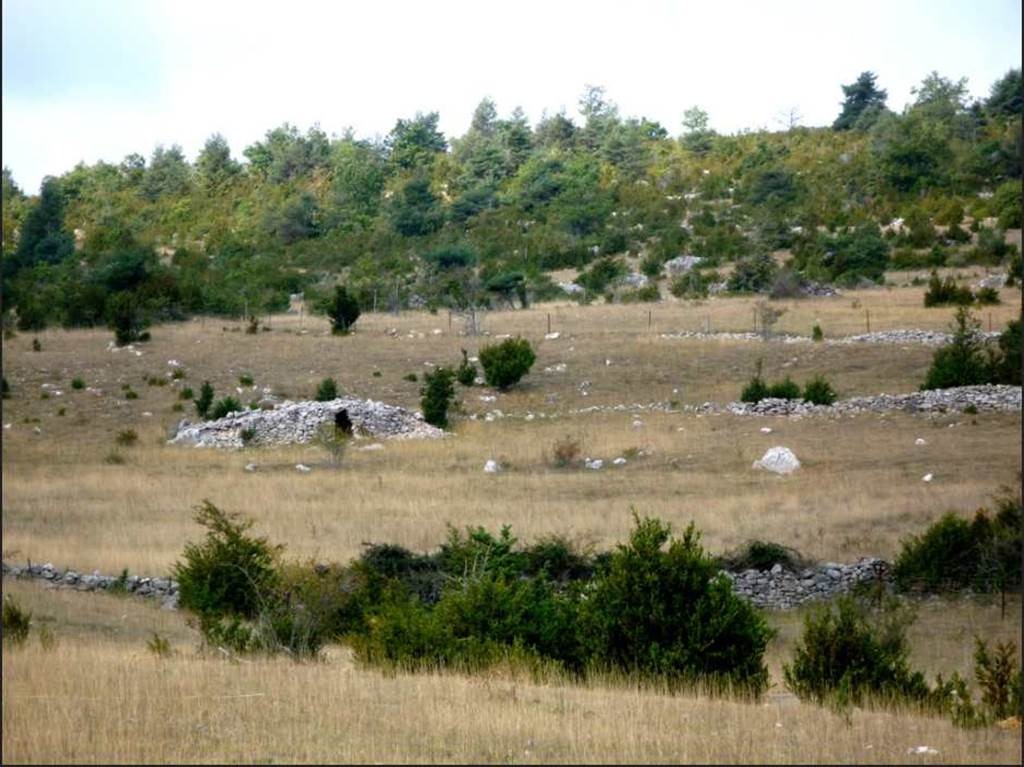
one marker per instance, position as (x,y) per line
(90,80)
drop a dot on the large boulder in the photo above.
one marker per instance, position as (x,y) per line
(680,265)
(778,460)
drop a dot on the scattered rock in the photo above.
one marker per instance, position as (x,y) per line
(250,467)
(594,464)
(303,468)
(928,477)
(766,429)
(552,336)
(491,467)
(920,441)
(620,461)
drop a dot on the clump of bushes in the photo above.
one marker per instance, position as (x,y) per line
(853,652)
(204,401)
(983,553)
(436,396)
(817,391)
(327,390)
(465,373)
(763,555)
(506,363)
(225,406)
(967,361)
(944,292)
(566,452)
(245,380)
(342,309)
(15,622)
(77,383)
(127,437)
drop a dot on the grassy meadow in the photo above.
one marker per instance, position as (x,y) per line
(74,496)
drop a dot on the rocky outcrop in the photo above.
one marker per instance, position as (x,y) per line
(299,422)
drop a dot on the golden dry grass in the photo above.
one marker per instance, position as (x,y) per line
(859,493)
(101,697)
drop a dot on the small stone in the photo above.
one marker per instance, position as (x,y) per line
(928,477)
(920,441)
(594,464)
(303,468)
(620,461)
(553,336)
(491,467)
(251,467)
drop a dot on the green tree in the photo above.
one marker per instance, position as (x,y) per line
(215,167)
(168,174)
(662,608)
(416,142)
(436,396)
(1006,98)
(342,310)
(961,362)
(357,183)
(697,134)
(506,363)
(43,238)
(861,96)
(415,210)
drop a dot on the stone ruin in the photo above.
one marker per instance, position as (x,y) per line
(300,422)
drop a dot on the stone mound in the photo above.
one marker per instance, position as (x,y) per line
(299,422)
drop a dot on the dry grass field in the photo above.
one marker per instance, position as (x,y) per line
(100,696)
(73,496)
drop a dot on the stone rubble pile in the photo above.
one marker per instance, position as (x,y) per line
(987,397)
(904,336)
(163,589)
(777,589)
(299,422)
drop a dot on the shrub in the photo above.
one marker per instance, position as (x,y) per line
(784,389)
(961,361)
(848,650)
(127,437)
(787,284)
(506,363)
(177,374)
(1005,363)
(411,377)
(159,645)
(953,553)
(342,310)
(601,274)
(131,394)
(230,573)
(690,284)
(327,390)
(224,406)
(992,247)
(247,435)
(816,333)
(1007,204)
(995,674)
(819,391)
(205,400)
(36,346)
(661,608)
(987,296)
(436,396)
(77,383)
(763,555)
(5,388)
(186,393)
(558,559)
(334,440)
(756,389)
(646,294)
(16,622)
(944,292)
(565,452)
(156,381)
(465,373)
(752,275)
(245,380)
(113,458)
(125,317)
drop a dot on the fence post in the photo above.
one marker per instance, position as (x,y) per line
(867,319)
(549,322)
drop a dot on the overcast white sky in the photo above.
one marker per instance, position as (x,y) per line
(85,80)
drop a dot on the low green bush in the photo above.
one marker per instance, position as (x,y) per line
(77,383)
(763,555)
(205,400)
(465,373)
(784,389)
(437,395)
(327,390)
(944,292)
(15,622)
(230,573)
(961,362)
(506,363)
(225,406)
(245,380)
(662,609)
(854,652)
(819,391)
